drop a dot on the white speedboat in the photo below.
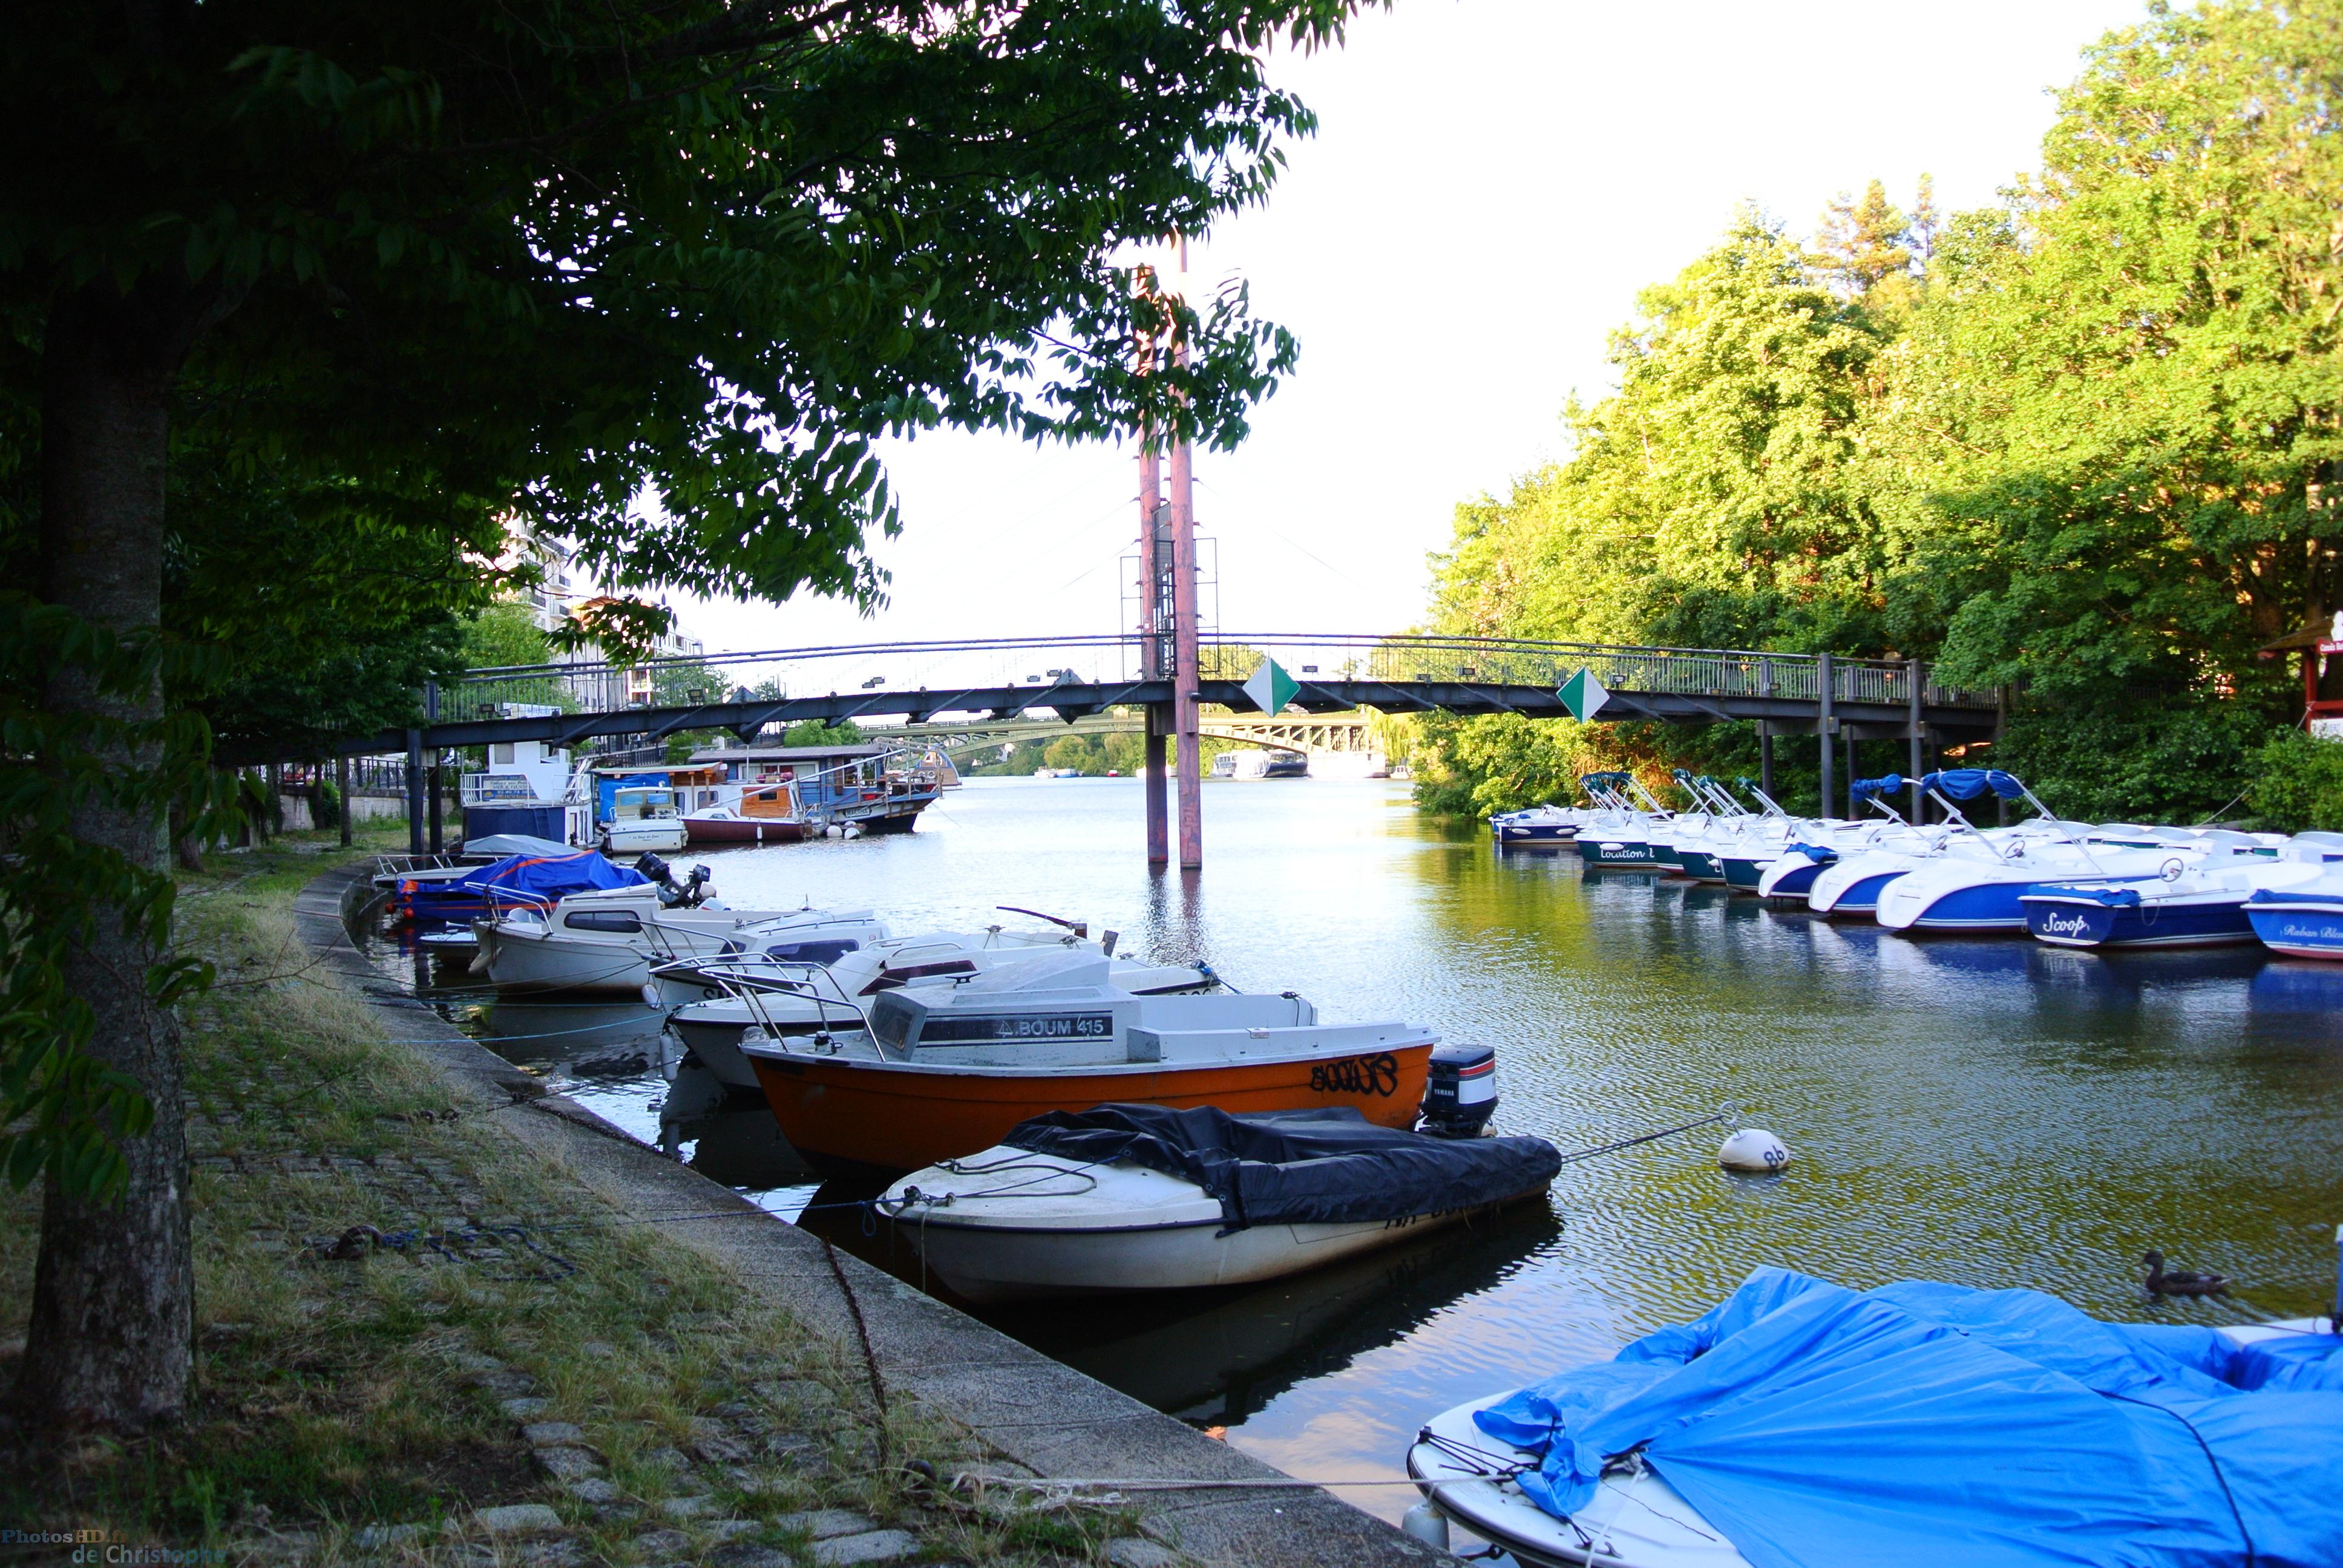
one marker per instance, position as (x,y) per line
(1144,1198)
(607,939)
(779,1001)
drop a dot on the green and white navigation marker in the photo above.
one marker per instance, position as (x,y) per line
(1271,687)
(1583,695)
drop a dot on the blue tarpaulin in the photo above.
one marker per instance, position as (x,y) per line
(520,879)
(1924,1423)
(1968,783)
(1871,788)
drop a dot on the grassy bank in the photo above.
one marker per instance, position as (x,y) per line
(420,1340)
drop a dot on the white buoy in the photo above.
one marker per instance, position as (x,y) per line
(1753,1148)
(1426,1523)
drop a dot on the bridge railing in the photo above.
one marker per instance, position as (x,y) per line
(1042,662)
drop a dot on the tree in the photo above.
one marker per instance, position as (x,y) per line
(1864,242)
(543,259)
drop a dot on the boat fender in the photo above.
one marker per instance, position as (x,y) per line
(1753,1148)
(1426,1523)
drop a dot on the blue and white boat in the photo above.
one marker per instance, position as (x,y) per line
(1980,892)
(2183,906)
(1818,846)
(2303,921)
(1623,825)
(1548,825)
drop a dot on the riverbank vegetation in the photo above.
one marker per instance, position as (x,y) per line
(2081,446)
(511,1373)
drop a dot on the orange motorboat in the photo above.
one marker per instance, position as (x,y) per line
(943,1071)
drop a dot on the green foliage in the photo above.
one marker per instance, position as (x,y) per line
(818,732)
(504,636)
(655,278)
(2297,783)
(2088,453)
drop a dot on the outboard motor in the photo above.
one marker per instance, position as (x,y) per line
(1461,1093)
(675,895)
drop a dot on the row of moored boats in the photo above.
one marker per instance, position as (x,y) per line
(1055,1117)
(1070,1117)
(2070,884)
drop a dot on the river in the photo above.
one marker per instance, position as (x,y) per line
(1986,1111)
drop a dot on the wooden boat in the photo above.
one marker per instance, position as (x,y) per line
(945,1071)
(1142,1198)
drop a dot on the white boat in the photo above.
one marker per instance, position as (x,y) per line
(643,819)
(778,1002)
(608,938)
(1636,1519)
(1123,1199)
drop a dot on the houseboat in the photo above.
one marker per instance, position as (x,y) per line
(779,794)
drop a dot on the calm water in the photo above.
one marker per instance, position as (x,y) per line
(1984,1110)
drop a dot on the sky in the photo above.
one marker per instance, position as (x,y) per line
(1492,183)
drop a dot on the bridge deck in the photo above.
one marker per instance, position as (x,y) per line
(914,682)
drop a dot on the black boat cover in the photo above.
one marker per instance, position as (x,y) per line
(1298,1167)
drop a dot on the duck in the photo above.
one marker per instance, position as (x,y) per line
(2181,1281)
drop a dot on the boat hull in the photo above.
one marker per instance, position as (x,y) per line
(527,963)
(2081,923)
(999,1263)
(744,830)
(1746,875)
(1535,833)
(1861,897)
(2300,931)
(853,1111)
(1599,851)
(1701,866)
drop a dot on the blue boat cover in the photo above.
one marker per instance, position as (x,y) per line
(1820,854)
(1314,1167)
(2105,896)
(2292,896)
(546,875)
(1871,788)
(1968,783)
(1922,1423)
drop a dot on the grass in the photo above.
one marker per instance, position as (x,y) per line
(333,1395)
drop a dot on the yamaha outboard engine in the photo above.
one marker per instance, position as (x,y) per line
(673,894)
(1461,1093)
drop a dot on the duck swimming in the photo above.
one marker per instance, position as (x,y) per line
(2181,1281)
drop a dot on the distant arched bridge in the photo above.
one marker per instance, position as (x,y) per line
(1314,734)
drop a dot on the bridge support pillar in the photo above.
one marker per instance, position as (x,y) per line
(1158,802)
(415,791)
(342,785)
(1766,755)
(1824,728)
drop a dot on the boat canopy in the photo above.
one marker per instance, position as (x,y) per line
(1316,1167)
(1968,783)
(1872,788)
(1926,1424)
(552,876)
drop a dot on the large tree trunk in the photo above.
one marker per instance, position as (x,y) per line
(111,1338)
